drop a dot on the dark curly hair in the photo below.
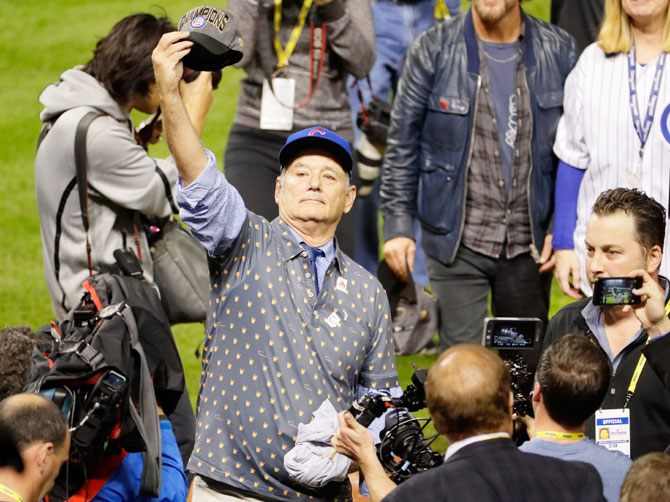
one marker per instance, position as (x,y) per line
(16,346)
(122,60)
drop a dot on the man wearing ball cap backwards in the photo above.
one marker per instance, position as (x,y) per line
(293,320)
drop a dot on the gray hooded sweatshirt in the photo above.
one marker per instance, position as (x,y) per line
(122,182)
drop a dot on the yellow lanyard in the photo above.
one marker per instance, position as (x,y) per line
(640,366)
(441,10)
(636,376)
(572,436)
(496,436)
(8,491)
(283,54)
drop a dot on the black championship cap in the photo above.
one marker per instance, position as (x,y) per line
(216,41)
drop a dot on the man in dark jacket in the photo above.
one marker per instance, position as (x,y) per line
(469,152)
(624,238)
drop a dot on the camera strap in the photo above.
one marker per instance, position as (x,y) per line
(364,111)
(81,166)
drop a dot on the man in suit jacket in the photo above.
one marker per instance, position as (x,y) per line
(470,401)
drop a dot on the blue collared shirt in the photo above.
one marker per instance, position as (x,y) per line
(322,262)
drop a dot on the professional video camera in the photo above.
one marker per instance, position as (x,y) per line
(522,380)
(518,342)
(403,450)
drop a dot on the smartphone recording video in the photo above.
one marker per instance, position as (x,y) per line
(616,290)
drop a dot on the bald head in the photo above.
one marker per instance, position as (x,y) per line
(31,418)
(468,392)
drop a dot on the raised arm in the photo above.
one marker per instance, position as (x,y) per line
(210,206)
(183,137)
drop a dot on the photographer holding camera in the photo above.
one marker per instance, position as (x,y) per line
(124,182)
(624,238)
(570,383)
(469,398)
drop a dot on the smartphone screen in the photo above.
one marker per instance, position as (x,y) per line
(511,332)
(616,290)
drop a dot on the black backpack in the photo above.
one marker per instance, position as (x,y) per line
(94,367)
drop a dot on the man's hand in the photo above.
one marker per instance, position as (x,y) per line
(399,254)
(547,258)
(651,309)
(356,442)
(526,422)
(567,266)
(353,440)
(166,58)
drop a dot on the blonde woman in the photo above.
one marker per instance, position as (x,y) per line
(614,130)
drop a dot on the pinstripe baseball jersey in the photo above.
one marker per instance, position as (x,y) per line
(597,134)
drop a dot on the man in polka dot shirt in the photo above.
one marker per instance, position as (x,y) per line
(292,320)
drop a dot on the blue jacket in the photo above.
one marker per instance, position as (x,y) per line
(432,124)
(124,483)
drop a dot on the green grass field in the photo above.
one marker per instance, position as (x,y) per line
(41,39)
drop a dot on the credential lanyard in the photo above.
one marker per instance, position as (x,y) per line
(441,10)
(642,130)
(640,366)
(283,54)
(11,493)
(572,436)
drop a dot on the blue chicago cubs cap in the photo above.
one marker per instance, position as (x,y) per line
(317,137)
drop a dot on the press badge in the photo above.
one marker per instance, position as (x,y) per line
(277,107)
(613,429)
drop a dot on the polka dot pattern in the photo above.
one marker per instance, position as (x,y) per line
(274,351)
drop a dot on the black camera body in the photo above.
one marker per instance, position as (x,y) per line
(90,435)
(374,121)
(403,450)
(518,341)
